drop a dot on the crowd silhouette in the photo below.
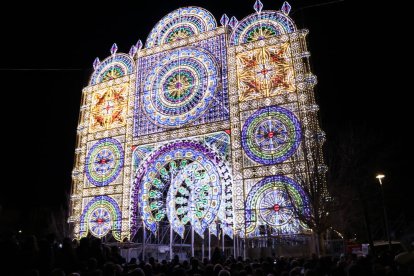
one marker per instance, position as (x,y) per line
(89,256)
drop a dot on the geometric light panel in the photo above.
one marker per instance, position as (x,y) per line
(104,162)
(181,87)
(109,108)
(275,202)
(101,215)
(265,72)
(271,135)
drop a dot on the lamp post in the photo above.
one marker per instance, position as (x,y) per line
(387,230)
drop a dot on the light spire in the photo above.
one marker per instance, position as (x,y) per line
(133,51)
(139,45)
(286,7)
(96,63)
(258,6)
(233,22)
(114,49)
(224,20)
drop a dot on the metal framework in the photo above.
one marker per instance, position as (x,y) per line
(195,140)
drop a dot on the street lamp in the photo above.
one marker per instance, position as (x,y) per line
(380,177)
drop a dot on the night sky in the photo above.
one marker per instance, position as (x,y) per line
(47,59)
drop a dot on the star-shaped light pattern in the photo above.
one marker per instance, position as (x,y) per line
(100,222)
(108,108)
(265,72)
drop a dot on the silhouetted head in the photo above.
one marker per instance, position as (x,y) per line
(194,263)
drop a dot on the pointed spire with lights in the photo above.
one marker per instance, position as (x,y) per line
(132,51)
(139,45)
(286,7)
(114,49)
(258,6)
(96,63)
(224,20)
(233,22)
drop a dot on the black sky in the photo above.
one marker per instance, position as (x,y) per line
(48,50)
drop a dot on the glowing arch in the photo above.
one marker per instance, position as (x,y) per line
(260,26)
(184,182)
(113,67)
(99,216)
(179,24)
(274,202)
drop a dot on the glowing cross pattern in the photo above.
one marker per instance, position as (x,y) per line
(108,108)
(265,72)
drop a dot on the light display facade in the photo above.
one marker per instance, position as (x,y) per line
(204,126)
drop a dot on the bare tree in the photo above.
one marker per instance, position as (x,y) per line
(337,198)
(310,173)
(352,157)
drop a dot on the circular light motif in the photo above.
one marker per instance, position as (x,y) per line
(181,87)
(260,33)
(99,216)
(104,162)
(100,222)
(265,71)
(111,68)
(194,196)
(179,24)
(275,207)
(259,26)
(271,135)
(181,181)
(181,31)
(112,73)
(273,201)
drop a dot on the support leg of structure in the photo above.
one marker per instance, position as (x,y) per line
(192,241)
(222,241)
(171,243)
(244,249)
(209,244)
(202,248)
(144,237)
(234,246)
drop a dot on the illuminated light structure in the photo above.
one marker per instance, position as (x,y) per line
(202,132)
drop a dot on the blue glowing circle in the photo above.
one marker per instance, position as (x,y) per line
(181,87)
